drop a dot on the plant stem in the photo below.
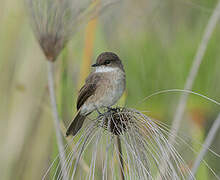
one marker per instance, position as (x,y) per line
(121,165)
(56,117)
(193,72)
(71,144)
(191,77)
(207,143)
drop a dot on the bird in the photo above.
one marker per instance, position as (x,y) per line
(102,89)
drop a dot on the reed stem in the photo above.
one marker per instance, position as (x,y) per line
(193,71)
(56,118)
(191,78)
(207,143)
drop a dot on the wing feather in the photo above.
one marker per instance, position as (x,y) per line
(88,89)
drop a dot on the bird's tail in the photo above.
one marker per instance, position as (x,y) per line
(76,124)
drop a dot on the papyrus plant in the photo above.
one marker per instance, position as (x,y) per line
(144,146)
(54,23)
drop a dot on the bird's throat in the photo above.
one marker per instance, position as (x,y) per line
(103,69)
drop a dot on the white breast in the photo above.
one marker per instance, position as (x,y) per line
(117,81)
(102,69)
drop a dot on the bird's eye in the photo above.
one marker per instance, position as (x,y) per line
(107,62)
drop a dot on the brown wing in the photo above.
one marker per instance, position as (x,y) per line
(88,89)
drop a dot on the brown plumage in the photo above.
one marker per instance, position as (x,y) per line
(88,89)
(85,92)
(102,88)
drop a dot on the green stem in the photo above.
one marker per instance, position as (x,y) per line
(206,145)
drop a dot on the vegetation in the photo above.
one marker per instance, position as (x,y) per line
(157,42)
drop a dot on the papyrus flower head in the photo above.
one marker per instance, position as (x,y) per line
(144,149)
(55,21)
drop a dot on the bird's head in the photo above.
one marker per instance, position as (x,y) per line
(108,59)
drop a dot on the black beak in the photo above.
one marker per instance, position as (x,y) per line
(94,65)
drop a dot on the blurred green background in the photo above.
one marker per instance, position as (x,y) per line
(156,40)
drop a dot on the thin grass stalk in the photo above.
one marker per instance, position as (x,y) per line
(56,117)
(191,77)
(71,144)
(121,163)
(193,72)
(182,91)
(144,143)
(206,145)
(198,133)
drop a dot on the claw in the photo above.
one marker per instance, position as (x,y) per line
(97,110)
(111,109)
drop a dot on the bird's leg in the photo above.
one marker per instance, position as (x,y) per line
(111,109)
(99,113)
(97,110)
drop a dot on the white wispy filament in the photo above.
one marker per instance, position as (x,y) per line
(144,148)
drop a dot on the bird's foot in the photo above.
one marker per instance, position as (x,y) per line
(99,113)
(111,109)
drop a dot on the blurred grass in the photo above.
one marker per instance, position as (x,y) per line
(156,42)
